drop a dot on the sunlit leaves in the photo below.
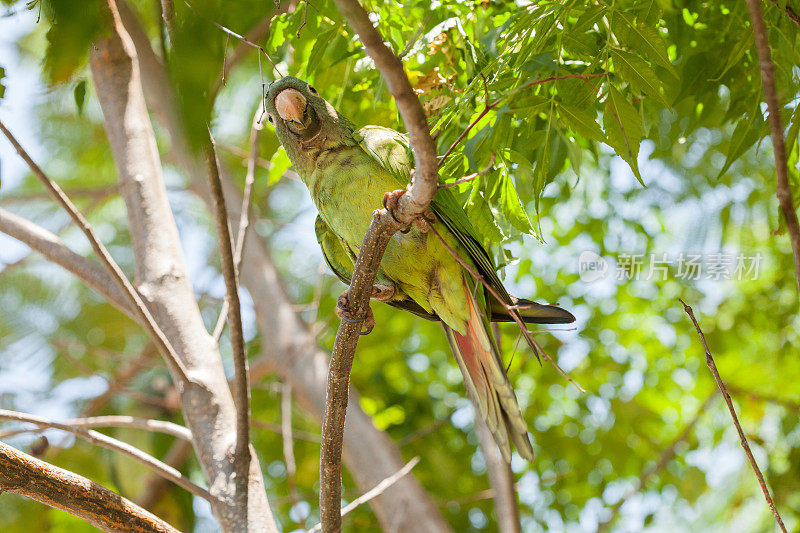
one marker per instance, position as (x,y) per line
(623,127)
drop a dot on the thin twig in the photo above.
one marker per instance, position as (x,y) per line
(118,421)
(376,491)
(470,177)
(713,367)
(98,439)
(245,215)
(416,35)
(288,440)
(243,39)
(113,268)
(27,476)
(784,191)
(663,459)
(241,388)
(510,308)
(168,15)
(791,13)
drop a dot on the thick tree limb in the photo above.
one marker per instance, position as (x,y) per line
(713,367)
(292,351)
(113,268)
(208,407)
(241,387)
(117,421)
(784,191)
(384,224)
(27,476)
(98,439)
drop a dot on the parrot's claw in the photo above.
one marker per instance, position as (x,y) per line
(382,293)
(422,222)
(343,312)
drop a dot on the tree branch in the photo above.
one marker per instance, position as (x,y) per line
(102,253)
(208,407)
(241,388)
(784,191)
(118,421)
(791,13)
(98,439)
(54,249)
(713,367)
(501,479)
(384,224)
(379,489)
(244,216)
(27,476)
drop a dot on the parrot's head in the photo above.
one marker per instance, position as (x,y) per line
(305,123)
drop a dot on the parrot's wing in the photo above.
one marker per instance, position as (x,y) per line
(390,149)
(341,263)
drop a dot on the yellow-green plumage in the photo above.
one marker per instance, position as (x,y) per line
(348,172)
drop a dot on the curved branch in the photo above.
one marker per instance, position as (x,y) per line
(423,187)
(117,421)
(27,476)
(784,191)
(98,439)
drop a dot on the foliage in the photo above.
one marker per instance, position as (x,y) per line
(664,94)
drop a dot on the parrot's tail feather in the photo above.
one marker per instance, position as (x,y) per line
(531,312)
(488,385)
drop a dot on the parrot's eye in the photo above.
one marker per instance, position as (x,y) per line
(271,121)
(312,90)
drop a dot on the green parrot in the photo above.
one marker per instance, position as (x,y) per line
(348,172)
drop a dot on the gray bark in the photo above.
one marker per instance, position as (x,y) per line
(163,283)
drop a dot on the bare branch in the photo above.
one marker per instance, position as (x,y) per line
(501,479)
(98,439)
(118,421)
(207,405)
(54,249)
(241,388)
(791,13)
(384,224)
(27,476)
(379,489)
(102,253)
(713,367)
(288,439)
(784,191)
(244,216)
(168,15)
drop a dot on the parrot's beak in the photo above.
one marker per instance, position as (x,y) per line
(291,106)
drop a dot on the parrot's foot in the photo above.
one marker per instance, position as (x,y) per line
(422,222)
(343,312)
(382,293)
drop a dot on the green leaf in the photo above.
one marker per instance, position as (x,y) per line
(79,94)
(635,70)
(794,130)
(482,218)
(279,164)
(2,87)
(623,127)
(746,133)
(644,39)
(512,207)
(581,122)
(318,50)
